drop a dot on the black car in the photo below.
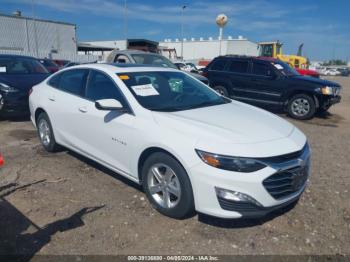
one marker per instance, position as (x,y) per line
(18,74)
(270,83)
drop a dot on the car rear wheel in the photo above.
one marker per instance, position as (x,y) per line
(46,134)
(301,107)
(167,186)
(221,90)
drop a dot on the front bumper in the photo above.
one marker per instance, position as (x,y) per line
(14,103)
(206,178)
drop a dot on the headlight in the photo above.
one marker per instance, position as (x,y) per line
(327,90)
(7,89)
(237,164)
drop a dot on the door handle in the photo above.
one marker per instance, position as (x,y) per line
(52,98)
(83,109)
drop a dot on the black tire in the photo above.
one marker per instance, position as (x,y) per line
(185,203)
(221,90)
(51,146)
(307,107)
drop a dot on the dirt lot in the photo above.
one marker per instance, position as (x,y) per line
(65,204)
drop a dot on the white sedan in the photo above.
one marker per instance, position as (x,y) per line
(189,147)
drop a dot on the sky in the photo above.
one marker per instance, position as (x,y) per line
(322,25)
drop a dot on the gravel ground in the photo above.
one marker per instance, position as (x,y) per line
(64,204)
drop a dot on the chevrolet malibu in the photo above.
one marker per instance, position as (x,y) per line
(189,147)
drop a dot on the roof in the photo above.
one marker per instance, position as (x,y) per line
(123,68)
(90,47)
(18,56)
(37,19)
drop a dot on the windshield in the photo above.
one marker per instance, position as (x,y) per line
(285,69)
(149,59)
(170,91)
(10,65)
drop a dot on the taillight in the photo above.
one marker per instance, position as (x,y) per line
(30,91)
(2,162)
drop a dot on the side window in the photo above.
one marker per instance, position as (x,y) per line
(219,65)
(238,66)
(73,81)
(261,69)
(121,59)
(55,81)
(100,86)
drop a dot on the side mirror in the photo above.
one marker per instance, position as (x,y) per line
(108,105)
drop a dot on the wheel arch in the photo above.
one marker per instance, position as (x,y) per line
(38,111)
(149,151)
(301,92)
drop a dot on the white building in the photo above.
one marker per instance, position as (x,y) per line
(207,49)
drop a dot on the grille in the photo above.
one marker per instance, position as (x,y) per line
(238,206)
(287,182)
(286,157)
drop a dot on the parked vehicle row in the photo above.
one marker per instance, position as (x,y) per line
(188,146)
(331,71)
(268,82)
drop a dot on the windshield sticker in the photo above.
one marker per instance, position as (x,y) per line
(145,90)
(2,69)
(278,66)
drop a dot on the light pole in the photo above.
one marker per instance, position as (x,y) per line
(182,31)
(35,32)
(125,20)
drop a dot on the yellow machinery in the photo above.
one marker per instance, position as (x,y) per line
(274,50)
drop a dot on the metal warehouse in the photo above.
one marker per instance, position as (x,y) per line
(36,37)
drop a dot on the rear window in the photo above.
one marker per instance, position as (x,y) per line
(73,81)
(11,65)
(219,64)
(238,66)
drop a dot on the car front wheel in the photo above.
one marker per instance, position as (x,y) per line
(167,186)
(301,107)
(46,134)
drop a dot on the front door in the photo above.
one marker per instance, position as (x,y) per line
(107,135)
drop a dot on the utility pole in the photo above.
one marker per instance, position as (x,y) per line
(35,32)
(182,31)
(125,20)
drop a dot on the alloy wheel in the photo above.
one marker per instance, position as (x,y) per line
(164,185)
(44,132)
(300,107)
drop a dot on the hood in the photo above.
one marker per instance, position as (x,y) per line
(199,77)
(235,122)
(23,82)
(317,81)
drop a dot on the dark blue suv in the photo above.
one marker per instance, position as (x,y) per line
(18,74)
(270,83)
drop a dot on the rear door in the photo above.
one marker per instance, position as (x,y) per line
(65,109)
(264,87)
(237,70)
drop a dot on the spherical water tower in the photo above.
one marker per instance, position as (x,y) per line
(221,21)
